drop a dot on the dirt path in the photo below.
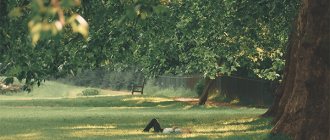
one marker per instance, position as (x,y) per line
(71,94)
(194,101)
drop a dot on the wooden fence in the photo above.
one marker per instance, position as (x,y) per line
(248,91)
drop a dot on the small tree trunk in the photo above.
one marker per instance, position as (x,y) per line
(205,94)
(303,109)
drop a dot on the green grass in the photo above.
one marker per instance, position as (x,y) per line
(122,116)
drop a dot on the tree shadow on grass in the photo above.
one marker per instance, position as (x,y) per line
(256,124)
(256,129)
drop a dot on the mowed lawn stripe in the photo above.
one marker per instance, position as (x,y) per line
(124,117)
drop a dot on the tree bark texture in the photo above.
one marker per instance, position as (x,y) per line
(275,107)
(205,94)
(303,108)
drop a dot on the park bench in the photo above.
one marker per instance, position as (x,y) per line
(138,87)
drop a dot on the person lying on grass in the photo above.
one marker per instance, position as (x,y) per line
(157,128)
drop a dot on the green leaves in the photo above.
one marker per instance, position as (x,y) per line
(160,9)
(53,52)
(50,18)
(210,38)
(8,80)
(15,12)
(79,24)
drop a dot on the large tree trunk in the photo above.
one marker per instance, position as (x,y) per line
(303,108)
(287,81)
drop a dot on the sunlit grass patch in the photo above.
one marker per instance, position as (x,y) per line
(23,136)
(217,129)
(90,127)
(104,133)
(239,121)
(160,136)
(147,99)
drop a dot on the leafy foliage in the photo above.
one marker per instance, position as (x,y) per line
(199,87)
(212,38)
(37,60)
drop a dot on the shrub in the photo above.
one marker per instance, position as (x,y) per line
(101,78)
(199,87)
(122,80)
(152,89)
(90,92)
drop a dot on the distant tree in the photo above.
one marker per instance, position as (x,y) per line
(254,41)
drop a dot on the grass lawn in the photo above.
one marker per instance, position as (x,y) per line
(122,116)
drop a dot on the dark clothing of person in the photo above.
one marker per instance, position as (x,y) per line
(155,124)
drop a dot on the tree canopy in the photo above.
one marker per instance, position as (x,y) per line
(211,38)
(41,39)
